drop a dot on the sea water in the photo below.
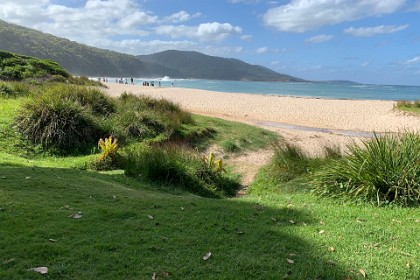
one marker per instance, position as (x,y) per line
(304,89)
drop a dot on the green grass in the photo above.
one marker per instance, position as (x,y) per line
(235,137)
(131,228)
(409,106)
(115,237)
(385,169)
(381,241)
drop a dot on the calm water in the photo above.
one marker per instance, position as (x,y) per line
(321,90)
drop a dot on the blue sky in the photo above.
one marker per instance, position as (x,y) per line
(368,41)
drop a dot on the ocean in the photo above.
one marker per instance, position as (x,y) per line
(307,89)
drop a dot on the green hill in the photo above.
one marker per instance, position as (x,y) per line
(183,64)
(76,58)
(80,59)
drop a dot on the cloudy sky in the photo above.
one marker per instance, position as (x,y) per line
(368,41)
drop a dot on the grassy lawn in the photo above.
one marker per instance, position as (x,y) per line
(127,228)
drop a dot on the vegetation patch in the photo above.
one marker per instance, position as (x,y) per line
(181,168)
(18,67)
(234,137)
(63,118)
(141,117)
(409,106)
(386,169)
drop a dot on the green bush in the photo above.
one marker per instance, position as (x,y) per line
(178,167)
(6,90)
(62,119)
(92,99)
(19,67)
(141,117)
(386,169)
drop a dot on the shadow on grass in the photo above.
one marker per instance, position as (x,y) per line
(130,230)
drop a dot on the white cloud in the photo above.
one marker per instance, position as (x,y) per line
(319,38)
(304,15)
(181,16)
(413,60)
(376,30)
(205,31)
(120,25)
(246,37)
(261,50)
(137,18)
(137,46)
(217,31)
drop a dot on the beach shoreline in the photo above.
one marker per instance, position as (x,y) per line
(328,115)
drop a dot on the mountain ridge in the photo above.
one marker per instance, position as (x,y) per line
(81,59)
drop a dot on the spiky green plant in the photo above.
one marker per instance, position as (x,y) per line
(385,169)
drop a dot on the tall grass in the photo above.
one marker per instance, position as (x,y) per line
(14,89)
(290,161)
(63,118)
(409,106)
(385,169)
(141,117)
(175,166)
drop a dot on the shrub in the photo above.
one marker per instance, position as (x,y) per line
(386,169)
(180,168)
(141,117)
(92,99)
(6,90)
(14,89)
(57,120)
(109,157)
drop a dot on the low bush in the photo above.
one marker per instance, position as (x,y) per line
(92,99)
(385,169)
(62,119)
(14,89)
(180,168)
(141,117)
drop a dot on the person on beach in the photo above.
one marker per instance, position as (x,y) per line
(132,81)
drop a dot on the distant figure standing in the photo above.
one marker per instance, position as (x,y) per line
(132,81)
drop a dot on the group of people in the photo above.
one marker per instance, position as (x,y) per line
(124,81)
(152,83)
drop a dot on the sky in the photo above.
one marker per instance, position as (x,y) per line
(367,41)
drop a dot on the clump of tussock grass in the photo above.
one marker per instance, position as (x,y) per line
(290,161)
(15,89)
(383,170)
(178,167)
(141,117)
(64,118)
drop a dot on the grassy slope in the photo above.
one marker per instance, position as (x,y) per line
(251,237)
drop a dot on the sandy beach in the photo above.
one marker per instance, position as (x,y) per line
(319,122)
